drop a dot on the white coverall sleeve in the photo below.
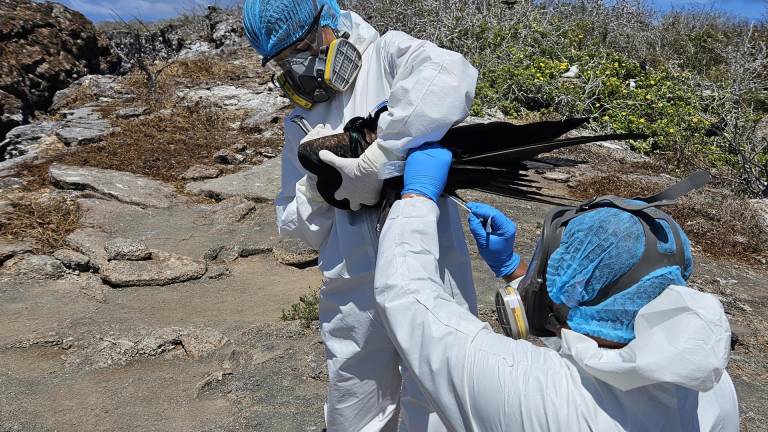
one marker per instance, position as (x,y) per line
(301,212)
(432,90)
(475,379)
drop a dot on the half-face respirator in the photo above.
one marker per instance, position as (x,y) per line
(524,306)
(314,71)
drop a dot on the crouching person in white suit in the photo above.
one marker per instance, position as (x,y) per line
(649,356)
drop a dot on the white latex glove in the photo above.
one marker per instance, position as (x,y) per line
(360,182)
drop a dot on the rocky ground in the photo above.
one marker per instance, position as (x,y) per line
(142,280)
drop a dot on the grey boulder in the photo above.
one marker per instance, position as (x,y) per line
(131,112)
(90,242)
(28,139)
(122,186)
(235,98)
(228,157)
(260,183)
(162,269)
(10,249)
(38,267)
(295,253)
(73,260)
(121,249)
(199,172)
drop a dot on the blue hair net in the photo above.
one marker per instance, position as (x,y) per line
(273,25)
(597,248)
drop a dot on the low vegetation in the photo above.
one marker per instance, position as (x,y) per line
(695,80)
(305,310)
(45,221)
(719,223)
(188,136)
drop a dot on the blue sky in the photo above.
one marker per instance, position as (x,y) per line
(150,10)
(751,9)
(147,10)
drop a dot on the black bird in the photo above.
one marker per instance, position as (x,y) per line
(489,157)
(717,128)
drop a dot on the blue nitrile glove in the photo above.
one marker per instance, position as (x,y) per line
(494,234)
(426,170)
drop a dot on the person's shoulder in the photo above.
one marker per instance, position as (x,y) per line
(396,35)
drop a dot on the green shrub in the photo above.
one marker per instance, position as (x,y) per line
(305,310)
(689,69)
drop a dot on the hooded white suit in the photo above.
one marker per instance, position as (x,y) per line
(671,377)
(427,90)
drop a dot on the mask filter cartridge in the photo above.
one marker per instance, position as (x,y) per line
(342,64)
(510,312)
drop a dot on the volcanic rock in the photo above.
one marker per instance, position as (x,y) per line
(92,286)
(557,176)
(225,28)
(122,186)
(198,172)
(228,157)
(90,242)
(121,249)
(72,260)
(295,253)
(131,112)
(38,267)
(27,139)
(232,210)
(11,112)
(10,249)
(167,342)
(95,86)
(761,205)
(260,183)
(259,120)
(163,269)
(46,46)
(235,98)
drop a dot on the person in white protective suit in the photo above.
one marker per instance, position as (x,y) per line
(427,90)
(651,357)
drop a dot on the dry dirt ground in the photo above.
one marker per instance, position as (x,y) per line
(59,369)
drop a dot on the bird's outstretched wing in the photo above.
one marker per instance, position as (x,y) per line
(489,157)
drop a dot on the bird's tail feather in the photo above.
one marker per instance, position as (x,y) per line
(513,155)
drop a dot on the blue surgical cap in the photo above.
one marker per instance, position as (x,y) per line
(273,25)
(596,249)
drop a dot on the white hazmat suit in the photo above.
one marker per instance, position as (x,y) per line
(427,90)
(671,377)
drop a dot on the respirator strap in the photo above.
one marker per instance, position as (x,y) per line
(666,197)
(696,180)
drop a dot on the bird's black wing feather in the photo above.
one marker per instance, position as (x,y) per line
(478,138)
(516,154)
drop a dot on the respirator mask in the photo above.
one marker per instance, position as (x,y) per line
(310,72)
(524,307)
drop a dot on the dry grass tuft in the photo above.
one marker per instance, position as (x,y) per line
(201,70)
(44,220)
(163,146)
(720,223)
